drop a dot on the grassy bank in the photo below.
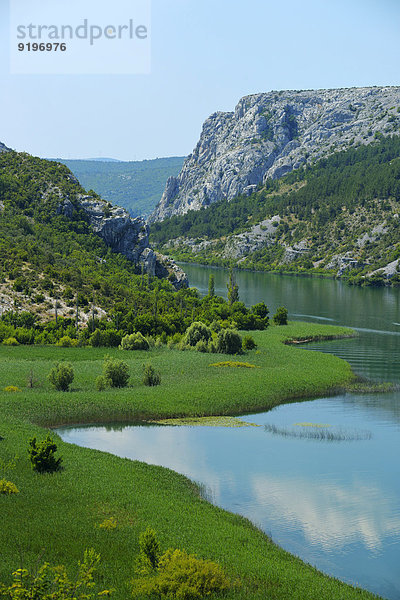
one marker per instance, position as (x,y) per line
(57,516)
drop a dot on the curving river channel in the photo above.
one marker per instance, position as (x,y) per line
(329,494)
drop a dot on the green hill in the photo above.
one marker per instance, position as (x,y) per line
(54,265)
(136,185)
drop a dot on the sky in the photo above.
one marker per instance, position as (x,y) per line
(205,55)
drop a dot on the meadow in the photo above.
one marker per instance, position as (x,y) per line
(56,516)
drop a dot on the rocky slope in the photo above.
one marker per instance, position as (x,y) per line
(126,235)
(271,134)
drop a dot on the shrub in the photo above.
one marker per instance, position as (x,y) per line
(53,582)
(149,551)
(135,341)
(41,455)
(196,332)
(150,377)
(116,372)
(229,342)
(12,388)
(202,346)
(61,376)
(11,341)
(231,363)
(248,343)
(66,342)
(109,524)
(182,575)
(280,317)
(100,383)
(7,487)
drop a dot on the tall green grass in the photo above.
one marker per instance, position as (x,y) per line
(57,516)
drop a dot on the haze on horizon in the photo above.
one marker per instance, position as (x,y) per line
(205,57)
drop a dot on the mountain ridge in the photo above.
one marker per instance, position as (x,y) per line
(271,134)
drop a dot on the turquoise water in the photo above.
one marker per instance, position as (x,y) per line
(334,499)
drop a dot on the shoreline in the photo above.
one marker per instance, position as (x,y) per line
(201,526)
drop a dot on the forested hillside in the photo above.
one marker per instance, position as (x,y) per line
(55,269)
(135,185)
(340,213)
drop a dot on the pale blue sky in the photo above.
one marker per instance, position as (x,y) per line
(206,55)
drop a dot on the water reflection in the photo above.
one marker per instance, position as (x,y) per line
(337,505)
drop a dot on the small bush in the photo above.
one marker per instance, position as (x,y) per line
(7,487)
(61,376)
(231,363)
(197,332)
(41,455)
(248,343)
(229,342)
(101,383)
(53,582)
(135,341)
(150,377)
(116,372)
(109,524)
(201,346)
(280,317)
(183,576)
(11,341)
(12,388)
(149,551)
(67,342)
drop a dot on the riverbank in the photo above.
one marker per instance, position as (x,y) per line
(60,513)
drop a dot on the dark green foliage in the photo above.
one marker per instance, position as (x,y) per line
(260,309)
(211,286)
(61,376)
(248,343)
(150,377)
(233,289)
(149,551)
(116,372)
(41,455)
(280,317)
(229,342)
(135,341)
(197,332)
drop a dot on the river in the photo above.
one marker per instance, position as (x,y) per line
(334,501)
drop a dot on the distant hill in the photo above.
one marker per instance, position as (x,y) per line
(136,185)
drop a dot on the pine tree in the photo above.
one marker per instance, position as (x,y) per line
(211,286)
(233,289)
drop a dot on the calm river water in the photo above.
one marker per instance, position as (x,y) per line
(333,502)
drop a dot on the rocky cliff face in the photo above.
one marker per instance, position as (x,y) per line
(271,134)
(128,236)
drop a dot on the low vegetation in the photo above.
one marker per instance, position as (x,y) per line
(55,516)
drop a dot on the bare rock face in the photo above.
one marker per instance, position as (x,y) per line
(268,135)
(128,236)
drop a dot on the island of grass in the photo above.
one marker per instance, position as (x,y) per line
(55,517)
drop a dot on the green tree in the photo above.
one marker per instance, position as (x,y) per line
(61,376)
(211,286)
(280,317)
(41,455)
(233,289)
(116,372)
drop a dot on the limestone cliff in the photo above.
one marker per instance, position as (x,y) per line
(269,135)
